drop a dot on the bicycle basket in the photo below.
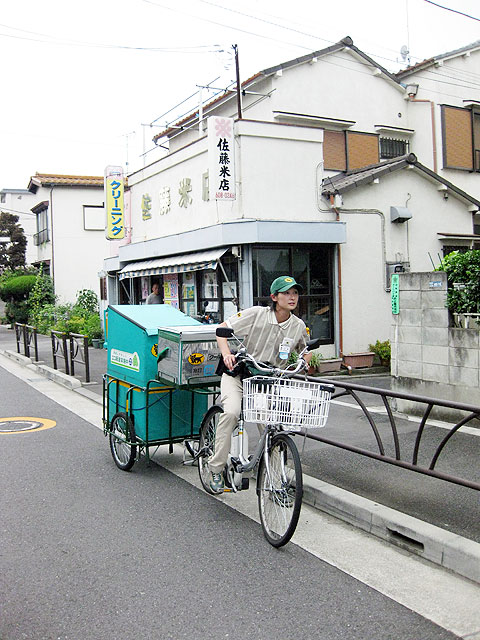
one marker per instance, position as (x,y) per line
(291,403)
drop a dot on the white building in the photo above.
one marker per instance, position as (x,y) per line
(70,231)
(326,145)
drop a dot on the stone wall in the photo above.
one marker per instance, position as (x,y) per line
(429,357)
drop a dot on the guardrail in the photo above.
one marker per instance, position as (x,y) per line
(26,334)
(59,349)
(79,353)
(352,390)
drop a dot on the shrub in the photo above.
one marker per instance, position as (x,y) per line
(464,269)
(382,350)
(87,300)
(17,288)
(41,295)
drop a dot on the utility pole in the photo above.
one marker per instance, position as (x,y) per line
(239,90)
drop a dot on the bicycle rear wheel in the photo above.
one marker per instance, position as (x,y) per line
(206,445)
(280,490)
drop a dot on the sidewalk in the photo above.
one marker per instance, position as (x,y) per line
(435,519)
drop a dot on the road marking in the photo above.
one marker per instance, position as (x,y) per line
(22,424)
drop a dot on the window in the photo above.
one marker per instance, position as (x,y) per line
(312,267)
(42,224)
(390,148)
(3,197)
(349,150)
(461,138)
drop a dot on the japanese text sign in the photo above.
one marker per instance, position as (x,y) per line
(114,185)
(221,158)
(395,294)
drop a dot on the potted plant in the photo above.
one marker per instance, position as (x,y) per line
(94,331)
(358,360)
(383,351)
(327,365)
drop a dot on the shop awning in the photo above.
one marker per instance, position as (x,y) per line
(173,264)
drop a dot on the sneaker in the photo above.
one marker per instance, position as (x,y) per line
(216,482)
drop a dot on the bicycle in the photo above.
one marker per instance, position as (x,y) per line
(282,405)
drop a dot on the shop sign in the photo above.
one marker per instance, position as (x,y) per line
(221,158)
(164,200)
(146,206)
(395,290)
(184,191)
(114,186)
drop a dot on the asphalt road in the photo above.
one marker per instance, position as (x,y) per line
(89,552)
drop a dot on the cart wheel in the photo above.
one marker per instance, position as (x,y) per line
(122,434)
(206,444)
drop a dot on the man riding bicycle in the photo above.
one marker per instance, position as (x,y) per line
(270,335)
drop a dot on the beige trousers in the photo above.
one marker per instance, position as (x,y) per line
(231,393)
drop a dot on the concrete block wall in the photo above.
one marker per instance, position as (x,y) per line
(429,357)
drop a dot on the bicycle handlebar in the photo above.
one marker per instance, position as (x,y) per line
(242,355)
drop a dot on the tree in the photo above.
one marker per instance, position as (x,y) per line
(12,254)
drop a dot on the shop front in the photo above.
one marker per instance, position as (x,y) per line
(215,283)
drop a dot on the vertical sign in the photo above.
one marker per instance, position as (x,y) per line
(395,294)
(115,225)
(221,158)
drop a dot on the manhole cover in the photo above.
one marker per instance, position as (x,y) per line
(20,425)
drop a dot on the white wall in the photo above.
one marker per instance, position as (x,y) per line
(366,211)
(77,253)
(278,175)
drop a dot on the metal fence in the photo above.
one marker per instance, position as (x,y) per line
(26,335)
(353,390)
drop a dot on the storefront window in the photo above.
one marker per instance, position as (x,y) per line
(311,265)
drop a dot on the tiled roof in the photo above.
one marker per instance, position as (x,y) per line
(344,182)
(57,180)
(430,61)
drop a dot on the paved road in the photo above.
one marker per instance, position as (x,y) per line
(89,552)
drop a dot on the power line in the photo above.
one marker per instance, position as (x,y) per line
(453,10)
(95,45)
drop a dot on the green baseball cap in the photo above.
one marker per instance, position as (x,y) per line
(284,283)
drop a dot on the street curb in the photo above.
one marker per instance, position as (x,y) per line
(449,550)
(52,374)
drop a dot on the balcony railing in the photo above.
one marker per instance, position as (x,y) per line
(40,237)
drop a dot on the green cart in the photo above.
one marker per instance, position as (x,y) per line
(156,396)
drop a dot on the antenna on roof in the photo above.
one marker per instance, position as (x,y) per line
(405,53)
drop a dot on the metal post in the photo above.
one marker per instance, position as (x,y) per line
(86,358)
(239,88)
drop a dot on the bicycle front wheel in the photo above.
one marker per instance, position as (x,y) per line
(280,490)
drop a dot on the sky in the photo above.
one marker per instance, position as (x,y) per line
(86,84)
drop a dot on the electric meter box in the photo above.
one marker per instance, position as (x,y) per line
(160,411)
(189,356)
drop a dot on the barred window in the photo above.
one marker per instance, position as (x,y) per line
(390,148)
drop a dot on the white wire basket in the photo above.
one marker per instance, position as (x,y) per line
(291,403)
